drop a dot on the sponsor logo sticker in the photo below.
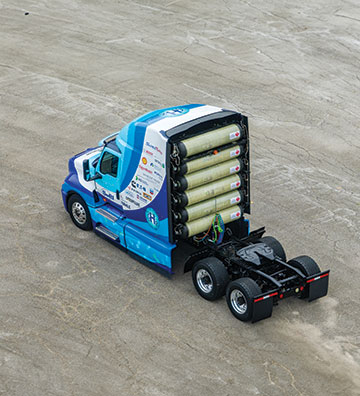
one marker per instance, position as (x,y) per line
(157,167)
(174,112)
(158,174)
(141,180)
(124,204)
(132,201)
(155,148)
(137,186)
(107,194)
(146,170)
(147,196)
(161,164)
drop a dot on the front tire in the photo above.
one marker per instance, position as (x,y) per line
(240,295)
(210,278)
(79,212)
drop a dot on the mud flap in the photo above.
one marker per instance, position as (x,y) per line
(263,306)
(318,285)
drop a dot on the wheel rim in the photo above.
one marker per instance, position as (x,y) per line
(204,281)
(238,301)
(79,213)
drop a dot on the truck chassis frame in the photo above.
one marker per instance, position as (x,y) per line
(278,279)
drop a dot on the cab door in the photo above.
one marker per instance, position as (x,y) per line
(107,186)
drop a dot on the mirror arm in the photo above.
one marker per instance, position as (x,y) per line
(96,176)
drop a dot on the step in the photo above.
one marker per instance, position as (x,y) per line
(105,231)
(110,216)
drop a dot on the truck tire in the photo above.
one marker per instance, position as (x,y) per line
(275,245)
(308,267)
(79,212)
(240,295)
(210,278)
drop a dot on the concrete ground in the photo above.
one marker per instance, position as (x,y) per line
(80,317)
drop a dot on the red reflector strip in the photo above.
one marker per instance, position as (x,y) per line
(317,278)
(265,297)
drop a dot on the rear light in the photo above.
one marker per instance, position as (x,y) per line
(301,288)
(281,295)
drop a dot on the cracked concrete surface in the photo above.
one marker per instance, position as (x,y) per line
(80,317)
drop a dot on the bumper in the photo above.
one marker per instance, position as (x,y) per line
(64,198)
(312,288)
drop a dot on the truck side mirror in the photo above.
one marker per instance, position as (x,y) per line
(96,176)
(86,169)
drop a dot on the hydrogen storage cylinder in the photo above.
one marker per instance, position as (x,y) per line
(206,141)
(208,175)
(210,160)
(192,228)
(210,206)
(210,190)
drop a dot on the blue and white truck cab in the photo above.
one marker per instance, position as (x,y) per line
(175,184)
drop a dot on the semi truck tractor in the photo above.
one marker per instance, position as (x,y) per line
(173,186)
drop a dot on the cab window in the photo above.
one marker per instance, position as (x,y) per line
(109,164)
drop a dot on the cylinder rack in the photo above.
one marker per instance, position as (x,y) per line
(209,178)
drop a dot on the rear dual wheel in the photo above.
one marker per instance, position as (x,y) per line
(308,267)
(275,245)
(240,295)
(211,280)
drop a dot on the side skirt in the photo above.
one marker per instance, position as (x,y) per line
(156,267)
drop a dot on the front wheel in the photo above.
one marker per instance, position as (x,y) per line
(210,278)
(240,295)
(79,212)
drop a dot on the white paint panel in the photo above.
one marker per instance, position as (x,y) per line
(150,173)
(172,121)
(88,185)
